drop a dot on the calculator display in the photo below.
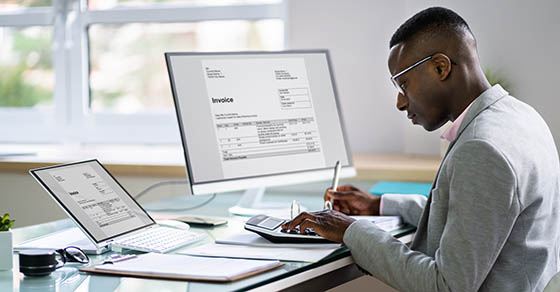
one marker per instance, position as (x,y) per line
(270,223)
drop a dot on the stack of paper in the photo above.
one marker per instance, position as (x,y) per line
(250,245)
(253,239)
(299,254)
(186,267)
(387,223)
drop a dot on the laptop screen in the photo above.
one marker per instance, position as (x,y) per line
(94,199)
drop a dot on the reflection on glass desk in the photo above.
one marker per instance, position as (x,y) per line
(327,273)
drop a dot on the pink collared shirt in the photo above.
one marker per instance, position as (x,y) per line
(450,134)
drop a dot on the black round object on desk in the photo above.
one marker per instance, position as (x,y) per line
(36,262)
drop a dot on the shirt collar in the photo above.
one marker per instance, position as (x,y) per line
(483,101)
(451,133)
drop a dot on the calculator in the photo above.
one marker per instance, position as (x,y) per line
(271,229)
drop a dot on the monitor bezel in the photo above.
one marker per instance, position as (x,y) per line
(202,187)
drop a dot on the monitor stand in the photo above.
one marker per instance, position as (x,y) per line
(251,204)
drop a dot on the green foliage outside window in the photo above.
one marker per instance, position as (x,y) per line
(26,3)
(26,77)
(14,92)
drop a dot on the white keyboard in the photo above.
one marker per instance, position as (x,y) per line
(159,239)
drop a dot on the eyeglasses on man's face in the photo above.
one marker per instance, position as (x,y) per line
(394,77)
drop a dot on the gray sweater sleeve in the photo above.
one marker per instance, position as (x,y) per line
(409,207)
(481,210)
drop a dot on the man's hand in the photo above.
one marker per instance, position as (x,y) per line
(329,224)
(351,200)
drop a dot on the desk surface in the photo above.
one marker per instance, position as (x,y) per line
(69,279)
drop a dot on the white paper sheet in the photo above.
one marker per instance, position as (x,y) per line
(387,223)
(181,265)
(253,239)
(258,252)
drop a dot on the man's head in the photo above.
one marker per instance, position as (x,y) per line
(439,50)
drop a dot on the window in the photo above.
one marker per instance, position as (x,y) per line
(94,71)
(26,72)
(128,78)
(15,4)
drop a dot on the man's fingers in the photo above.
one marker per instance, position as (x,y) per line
(342,206)
(307,223)
(336,205)
(328,224)
(342,190)
(347,188)
(297,221)
(327,197)
(341,196)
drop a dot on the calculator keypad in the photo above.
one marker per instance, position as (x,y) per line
(308,231)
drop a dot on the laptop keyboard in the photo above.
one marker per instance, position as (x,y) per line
(160,239)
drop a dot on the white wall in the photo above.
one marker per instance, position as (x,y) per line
(518,39)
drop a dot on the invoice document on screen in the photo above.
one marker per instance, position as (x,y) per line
(95,202)
(263,114)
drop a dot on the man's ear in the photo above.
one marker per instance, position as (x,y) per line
(442,65)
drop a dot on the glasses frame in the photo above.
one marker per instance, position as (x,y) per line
(67,257)
(394,77)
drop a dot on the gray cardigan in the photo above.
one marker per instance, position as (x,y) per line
(491,222)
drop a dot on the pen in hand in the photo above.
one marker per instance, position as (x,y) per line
(329,203)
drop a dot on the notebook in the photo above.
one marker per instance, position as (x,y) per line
(398,187)
(183,267)
(107,214)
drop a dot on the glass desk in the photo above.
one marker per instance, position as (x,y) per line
(332,271)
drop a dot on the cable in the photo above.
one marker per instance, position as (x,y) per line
(171,182)
(162,183)
(185,209)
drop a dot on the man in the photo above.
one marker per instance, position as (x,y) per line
(491,222)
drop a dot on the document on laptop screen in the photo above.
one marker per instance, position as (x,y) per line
(93,197)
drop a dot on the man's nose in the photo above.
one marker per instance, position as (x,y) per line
(402,102)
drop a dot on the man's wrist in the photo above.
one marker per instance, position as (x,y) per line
(380,205)
(376,205)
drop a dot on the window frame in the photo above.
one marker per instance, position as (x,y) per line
(72,121)
(32,124)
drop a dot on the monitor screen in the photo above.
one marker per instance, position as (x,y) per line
(246,118)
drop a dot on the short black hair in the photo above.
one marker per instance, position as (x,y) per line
(430,20)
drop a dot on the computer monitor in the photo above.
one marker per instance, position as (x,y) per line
(250,120)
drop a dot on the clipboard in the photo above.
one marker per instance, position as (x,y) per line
(142,266)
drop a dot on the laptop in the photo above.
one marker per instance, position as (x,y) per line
(107,214)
